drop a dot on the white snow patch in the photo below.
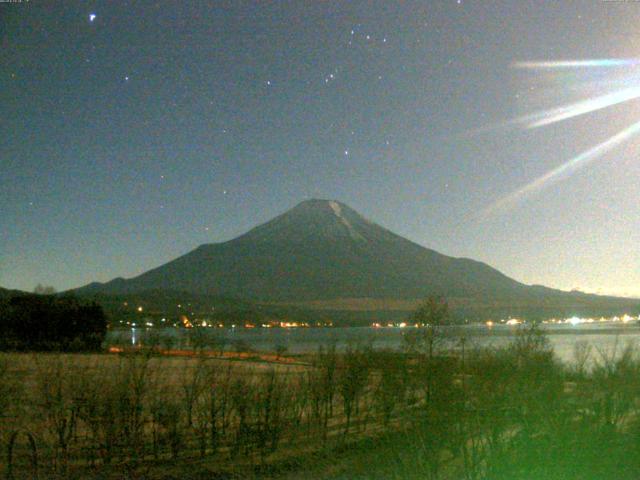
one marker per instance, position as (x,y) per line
(338,212)
(337,209)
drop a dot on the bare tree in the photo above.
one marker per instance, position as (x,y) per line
(44,289)
(431,315)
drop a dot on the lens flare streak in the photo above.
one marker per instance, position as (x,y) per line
(564,170)
(554,115)
(603,62)
(580,108)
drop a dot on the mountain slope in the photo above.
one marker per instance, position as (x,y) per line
(6,293)
(322,250)
(319,250)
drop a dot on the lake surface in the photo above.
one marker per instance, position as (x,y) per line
(607,337)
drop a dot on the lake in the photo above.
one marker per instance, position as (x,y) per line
(603,336)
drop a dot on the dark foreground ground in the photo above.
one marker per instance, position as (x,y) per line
(512,413)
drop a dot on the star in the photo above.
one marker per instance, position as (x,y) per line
(92,17)
(346,152)
(126,78)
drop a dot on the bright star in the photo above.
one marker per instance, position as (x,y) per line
(92,17)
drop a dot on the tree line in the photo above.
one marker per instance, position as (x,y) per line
(36,322)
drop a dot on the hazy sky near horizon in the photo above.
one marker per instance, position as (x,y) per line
(133,131)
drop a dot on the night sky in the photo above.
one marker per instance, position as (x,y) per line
(132,132)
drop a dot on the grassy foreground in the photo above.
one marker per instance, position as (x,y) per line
(423,413)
